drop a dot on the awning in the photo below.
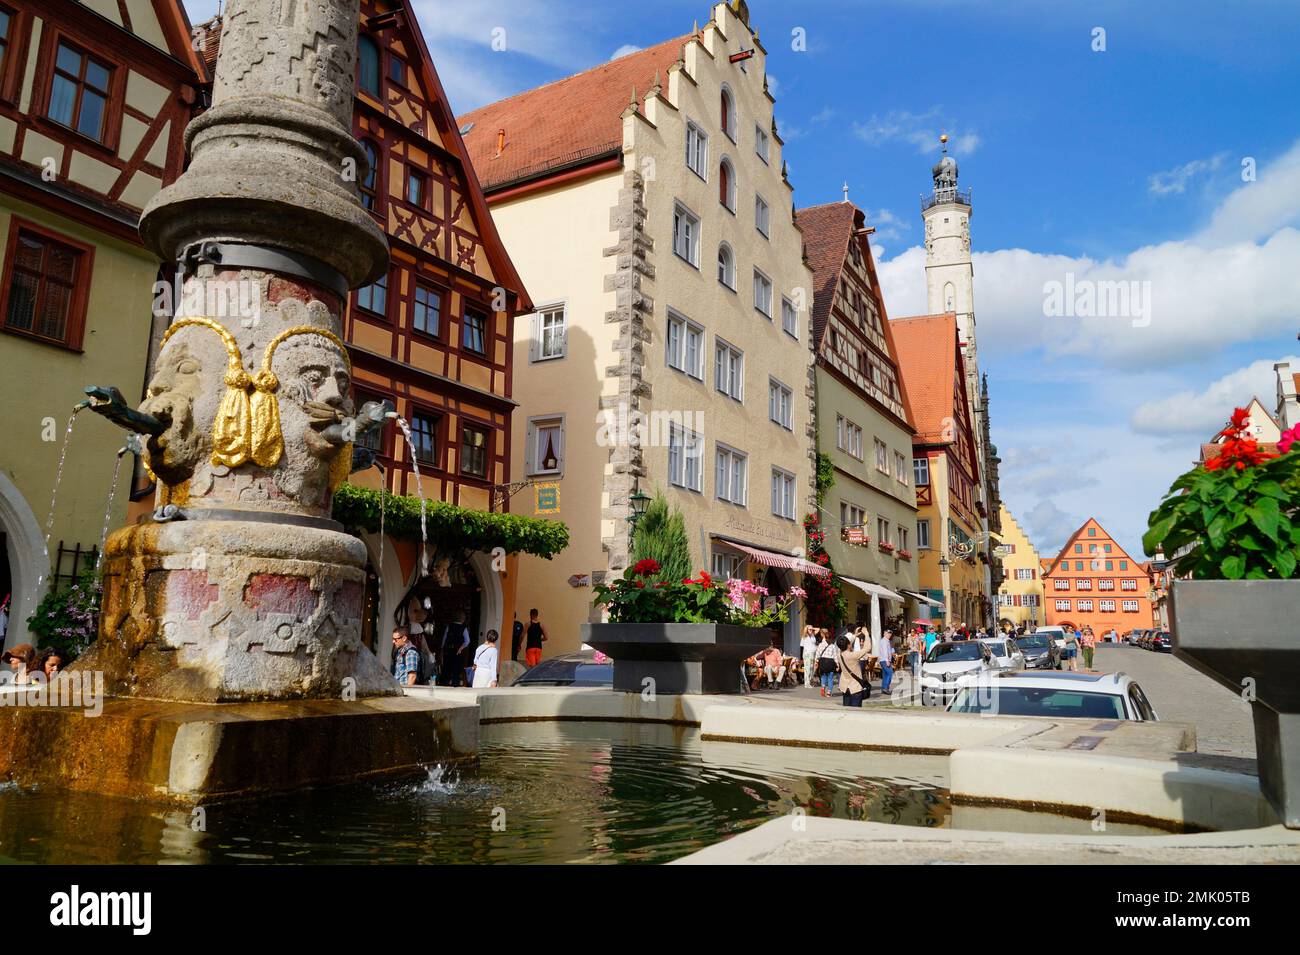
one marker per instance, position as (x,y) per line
(775,559)
(876,589)
(924,599)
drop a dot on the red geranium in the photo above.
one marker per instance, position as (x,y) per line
(1238,450)
(644,568)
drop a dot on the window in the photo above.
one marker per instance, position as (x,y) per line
(1063,605)
(727,185)
(902,538)
(426,315)
(728,114)
(397,69)
(474,444)
(789,318)
(1085,606)
(1123,565)
(474,336)
(725,566)
(851,515)
(1110,565)
(729,370)
(684,451)
(1106,606)
(762,294)
(374,298)
(900,468)
(1128,585)
(1092,548)
(1092,532)
(761,143)
(731,476)
(1083,583)
(1129,606)
(921,471)
(697,150)
(548,334)
(417,187)
(686,235)
(726,267)
(1106,548)
(368,65)
(1078,565)
(370,182)
(79,92)
(848,437)
(6,25)
(882,456)
(1078,548)
(782,493)
(761,215)
(923,534)
(1060,584)
(544,451)
(780,404)
(1105,584)
(45,287)
(1024,573)
(685,346)
(424,437)
(882,530)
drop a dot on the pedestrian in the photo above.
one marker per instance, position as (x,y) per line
(1089,642)
(1072,649)
(537,635)
(455,641)
(853,684)
(808,646)
(406,659)
(516,638)
(485,662)
(828,661)
(885,657)
(915,647)
(19,658)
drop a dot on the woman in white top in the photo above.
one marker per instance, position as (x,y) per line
(485,662)
(809,647)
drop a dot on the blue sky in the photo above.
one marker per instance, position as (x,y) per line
(1121,165)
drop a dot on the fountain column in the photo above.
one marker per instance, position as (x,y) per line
(242,587)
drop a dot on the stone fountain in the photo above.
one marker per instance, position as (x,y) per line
(241,592)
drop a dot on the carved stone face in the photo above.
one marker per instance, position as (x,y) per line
(314,377)
(178,383)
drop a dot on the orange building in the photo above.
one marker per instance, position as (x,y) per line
(1093,582)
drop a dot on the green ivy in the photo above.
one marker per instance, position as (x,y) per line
(450,527)
(825,476)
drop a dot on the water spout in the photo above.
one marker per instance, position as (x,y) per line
(132,445)
(108,401)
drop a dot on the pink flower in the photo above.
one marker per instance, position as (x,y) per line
(798,592)
(1288,439)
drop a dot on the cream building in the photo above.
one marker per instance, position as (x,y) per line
(1020,598)
(645,205)
(93,101)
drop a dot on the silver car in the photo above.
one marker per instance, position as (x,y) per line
(1102,696)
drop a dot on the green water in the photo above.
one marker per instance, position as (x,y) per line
(539,792)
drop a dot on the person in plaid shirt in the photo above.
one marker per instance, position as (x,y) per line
(406,659)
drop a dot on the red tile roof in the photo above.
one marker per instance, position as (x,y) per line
(826,231)
(566,122)
(927,357)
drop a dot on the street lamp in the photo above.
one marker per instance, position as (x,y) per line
(639,503)
(944,562)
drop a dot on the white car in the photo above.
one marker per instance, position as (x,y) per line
(1099,696)
(1056,633)
(948,665)
(1006,655)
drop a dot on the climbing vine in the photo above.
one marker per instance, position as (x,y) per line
(826,604)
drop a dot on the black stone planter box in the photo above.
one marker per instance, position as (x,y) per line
(1246,635)
(679,657)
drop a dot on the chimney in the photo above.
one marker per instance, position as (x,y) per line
(501,140)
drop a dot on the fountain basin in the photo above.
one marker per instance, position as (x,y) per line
(190,754)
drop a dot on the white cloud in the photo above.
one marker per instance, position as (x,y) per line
(887,225)
(1176,180)
(921,130)
(1049,527)
(1234,282)
(624,50)
(1204,412)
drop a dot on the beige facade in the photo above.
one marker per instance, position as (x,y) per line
(1020,598)
(654,332)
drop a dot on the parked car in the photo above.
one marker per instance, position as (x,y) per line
(1056,633)
(578,668)
(1006,654)
(1040,651)
(1131,638)
(1160,640)
(947,664)
(1107,696)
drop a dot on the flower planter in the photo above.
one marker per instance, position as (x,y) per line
(1244,634)
(678,657)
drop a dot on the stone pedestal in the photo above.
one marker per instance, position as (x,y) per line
(677,657)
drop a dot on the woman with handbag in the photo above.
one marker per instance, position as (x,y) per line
(828,663)
(852,682)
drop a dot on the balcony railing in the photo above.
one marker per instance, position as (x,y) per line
(945,195)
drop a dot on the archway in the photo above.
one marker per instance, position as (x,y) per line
(26,557)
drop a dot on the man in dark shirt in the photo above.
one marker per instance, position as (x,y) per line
(455,643)
(537,635)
